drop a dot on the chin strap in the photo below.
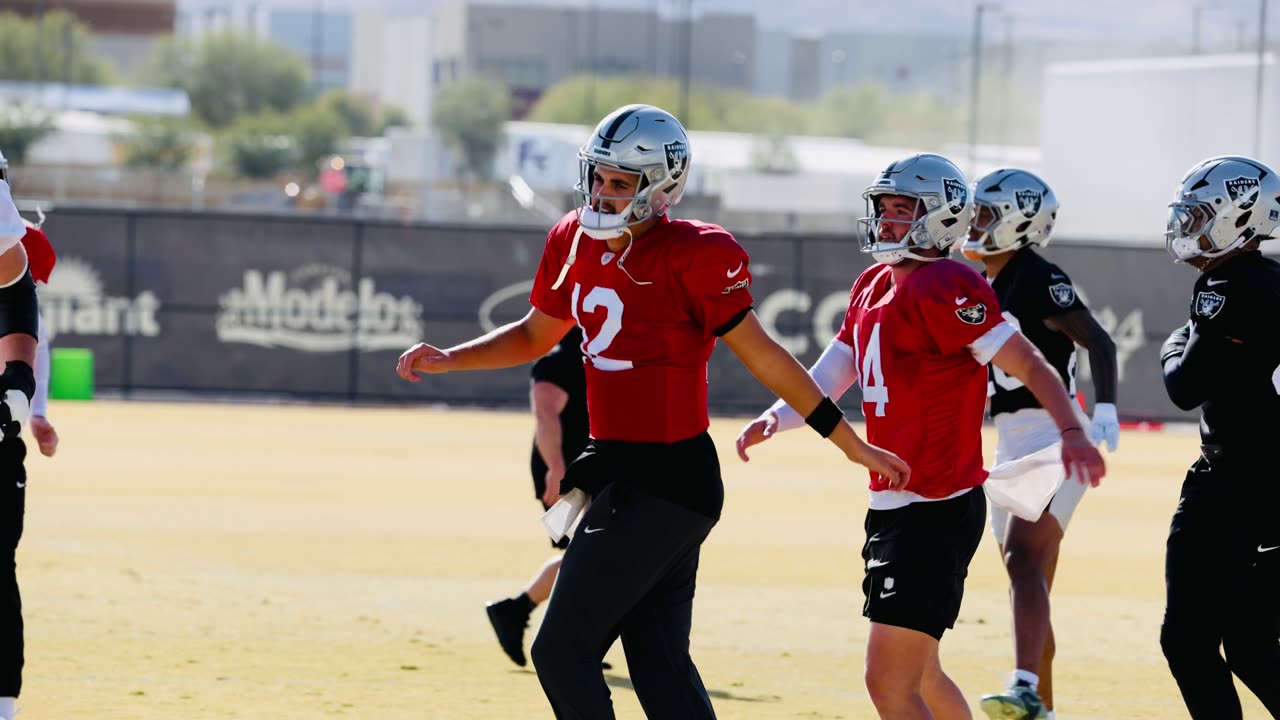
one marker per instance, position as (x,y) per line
(624,259)
(573,255)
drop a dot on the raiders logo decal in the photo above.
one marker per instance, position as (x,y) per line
(1243,191)
(1028,202)
(957,194)
(973,314)
(1063,294)
(677,158)
(1209,304)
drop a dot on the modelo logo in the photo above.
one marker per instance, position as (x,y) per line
(74,303)
(316,309)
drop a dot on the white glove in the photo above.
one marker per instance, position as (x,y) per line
(1104,427)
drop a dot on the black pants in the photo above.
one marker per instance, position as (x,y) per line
(1222,578)
(13,499)
(631,570)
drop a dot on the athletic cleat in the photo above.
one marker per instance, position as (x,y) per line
(1019,702)
(509,619)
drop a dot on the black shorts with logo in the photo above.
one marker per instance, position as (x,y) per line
(916,559)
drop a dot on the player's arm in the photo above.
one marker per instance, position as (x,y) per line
(40,401)
(834,373)
(1193,362)
(1019,358)
(548,400)
(1083,329)
(513,344)
(779,371)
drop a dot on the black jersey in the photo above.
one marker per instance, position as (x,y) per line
(1226,359)
(1030,290)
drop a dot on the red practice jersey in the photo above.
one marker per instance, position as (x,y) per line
(923,390)
(648,327)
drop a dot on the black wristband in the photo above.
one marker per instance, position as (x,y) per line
(825,417)
(1073,427)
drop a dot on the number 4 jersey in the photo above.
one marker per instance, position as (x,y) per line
(648,326)
(920,351)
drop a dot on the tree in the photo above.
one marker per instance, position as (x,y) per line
(260,146)
(470,115)
(20,128)
(55,48)
(316,132)
(227,74)
(159,144)
(357,113)
(854,112)
(393,116)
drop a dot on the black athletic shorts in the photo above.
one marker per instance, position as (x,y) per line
(916,559)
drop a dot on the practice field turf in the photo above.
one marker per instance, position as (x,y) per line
(285,563)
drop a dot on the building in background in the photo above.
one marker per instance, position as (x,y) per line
(391,60)
(124,31)
(531,48)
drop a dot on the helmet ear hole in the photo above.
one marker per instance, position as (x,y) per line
(1244,218)
(948,222)
(1022,227)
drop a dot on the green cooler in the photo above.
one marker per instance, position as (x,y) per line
(70,374)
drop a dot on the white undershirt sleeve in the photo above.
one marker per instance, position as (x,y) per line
(986,347)
(834,372)
(40,401)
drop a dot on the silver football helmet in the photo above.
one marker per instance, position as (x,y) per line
(642,140)
(943,208)
(1226,200)
(1012,208)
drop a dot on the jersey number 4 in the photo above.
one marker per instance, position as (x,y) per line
(870,371)
(606,300)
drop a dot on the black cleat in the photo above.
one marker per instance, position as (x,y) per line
(509,619)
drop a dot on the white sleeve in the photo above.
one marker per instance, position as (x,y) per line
(986,347)
(11,226)
(834,372)
(40,401)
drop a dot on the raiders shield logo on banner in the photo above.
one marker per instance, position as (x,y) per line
(957,194)
(1028,202)
(677,158)
(1243,191)
(1063,294)
(1209,304)
(973,314)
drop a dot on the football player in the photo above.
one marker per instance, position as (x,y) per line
(1222,563)
(918,334)
(1015,212)
(652,295)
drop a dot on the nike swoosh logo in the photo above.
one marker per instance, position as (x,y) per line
(961,300)
(1056,276)
(588,531)
(1260,548)
(875,564)
(1211,283)
(735,272)
(888,594)
(22,485)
